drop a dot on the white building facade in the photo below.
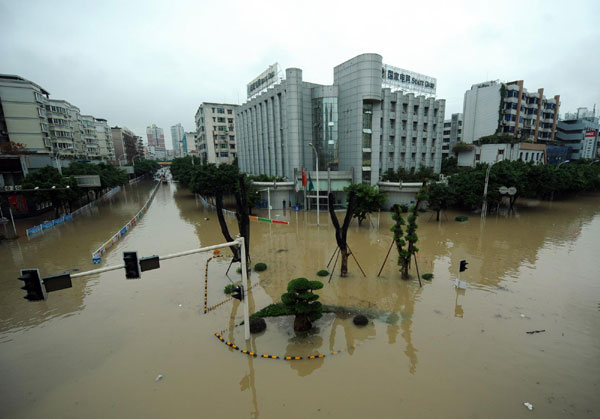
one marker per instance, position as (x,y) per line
(216,132)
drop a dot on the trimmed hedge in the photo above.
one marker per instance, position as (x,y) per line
(427,276)
(260,266)
(323,272)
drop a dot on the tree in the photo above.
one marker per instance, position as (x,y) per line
(302,302)
(440,197)
(47,178)
(368,199)
(143,167)
(341,232)
(409,237)
(449,165)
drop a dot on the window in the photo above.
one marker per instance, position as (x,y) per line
(220,110)
(405,107)
(477,157)
(232,138)
(220,119)
(229,112)
(225,154)
(230,120)
(416,109)
(393,106)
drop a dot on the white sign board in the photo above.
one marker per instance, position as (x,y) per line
(408,81)
(503,190)
(267,78)
(512,190)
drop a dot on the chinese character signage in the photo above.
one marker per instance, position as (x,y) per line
(408,81)
(267,78)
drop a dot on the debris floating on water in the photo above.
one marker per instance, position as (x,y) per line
(159,377)
(535,331)
(528,405)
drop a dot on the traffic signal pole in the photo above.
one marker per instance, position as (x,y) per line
(54,283)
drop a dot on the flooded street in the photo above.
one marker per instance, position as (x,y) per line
(97,349)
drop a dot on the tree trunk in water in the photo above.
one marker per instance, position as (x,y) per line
(344,271)
(437,215)
(340,232)
(302,323)
(405,266)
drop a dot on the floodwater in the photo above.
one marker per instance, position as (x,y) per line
(97,349)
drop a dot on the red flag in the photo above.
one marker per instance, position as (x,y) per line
(304,180)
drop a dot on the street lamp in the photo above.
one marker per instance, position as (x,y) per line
(563,162)
(317,157)
(485,188)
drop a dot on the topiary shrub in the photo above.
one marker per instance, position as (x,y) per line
(229,288)
(239,270)
(428,277)
(360,320)
(301,302)
(461,218)
(323,272)
(259,267)
(257,325)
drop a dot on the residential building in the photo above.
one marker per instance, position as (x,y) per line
(509,109)
(493,153)
(452,134)
(24,114)
(579,131)
(139,148)
(105,141)
(215,132)
(125,142)
(63,121)
(374,117)
(177,133)
(156,136)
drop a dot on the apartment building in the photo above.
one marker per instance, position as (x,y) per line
(374,117)
(105,141)
(452,134)
(509,109)
(125,143)
(215,132)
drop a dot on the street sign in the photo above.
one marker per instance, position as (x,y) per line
(512,190)
(503,190)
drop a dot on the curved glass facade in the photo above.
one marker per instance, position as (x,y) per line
(325,131)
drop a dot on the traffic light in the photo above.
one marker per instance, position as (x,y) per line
(238,293)
(132,268)
(463,265)
(33,284)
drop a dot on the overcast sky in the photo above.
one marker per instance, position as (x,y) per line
(141,62)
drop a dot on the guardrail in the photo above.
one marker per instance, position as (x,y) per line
(46,225)
(228,212)
(97,255)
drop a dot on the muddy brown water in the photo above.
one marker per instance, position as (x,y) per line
(95,350)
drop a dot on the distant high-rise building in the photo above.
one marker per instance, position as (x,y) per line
(156,136)
(215,132)
(509,109)
(177,133)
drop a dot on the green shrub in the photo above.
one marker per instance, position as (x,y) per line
(229,288)
(428,277)
(323,272)
(272,310)
(260,266)
(462,218)
(239,270)
(301,301)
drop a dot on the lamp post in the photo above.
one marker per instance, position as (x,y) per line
(317,157)
(485,188)
(563,162)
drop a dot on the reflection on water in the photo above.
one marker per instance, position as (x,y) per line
(101,344)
